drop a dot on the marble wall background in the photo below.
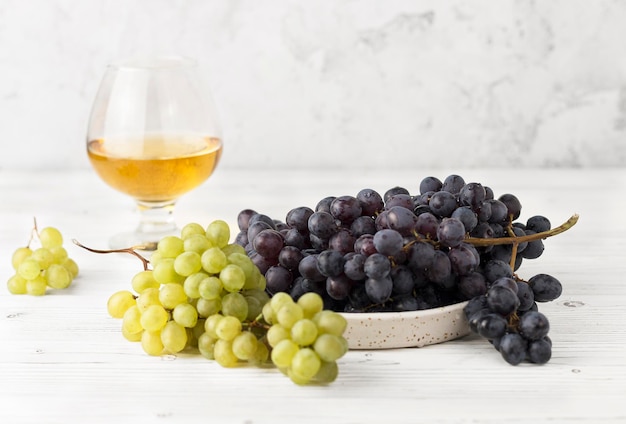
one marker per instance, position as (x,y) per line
(336,83)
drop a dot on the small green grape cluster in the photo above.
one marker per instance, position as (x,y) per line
(306,339)
(205,293)
(37,268)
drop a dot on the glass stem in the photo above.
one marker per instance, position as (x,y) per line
(156,218)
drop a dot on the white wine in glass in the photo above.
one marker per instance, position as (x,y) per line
(153,135)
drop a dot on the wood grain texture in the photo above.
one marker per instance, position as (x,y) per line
(63,359)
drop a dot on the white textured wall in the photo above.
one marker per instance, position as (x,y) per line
(310,83)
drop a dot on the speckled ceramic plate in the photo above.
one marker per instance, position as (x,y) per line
(387,330)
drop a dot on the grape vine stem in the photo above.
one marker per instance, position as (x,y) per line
(130,250)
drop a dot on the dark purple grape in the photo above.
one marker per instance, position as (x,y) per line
(426,224)
(338,287)
(394,190)
(330,263)
(255,228)
(450,232)
(473,285)
(499,211)
(308,269)
(533,325)
(261,262)
(430,184)
(506,282)
(405,303)
(322,225)
(545,287)
(467,216)
(259,217)
(463,259)
(345,209)
(388,242)
(534,248)
(371,202)
(538,224)
(403,279)
(400,199)
(453,184)
(472,194)
(379,290)
(502,300)
(353,267)
(268,243)
(377,266)
(513,347)
(401,219)
(324,204)
(242,238)
(442,203)
(295,238)
(440,268)
(365,245)
(513,206)
(363,225)
(243,218)
(298,218)
(482,230)
(491,326)
(342,241)
(539,351)
(525,295)
(290,257)
(495,269)
(278,279)
(420,256)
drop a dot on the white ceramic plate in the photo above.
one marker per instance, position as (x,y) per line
(388,330)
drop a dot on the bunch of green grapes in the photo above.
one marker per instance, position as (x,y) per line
(42,266)
(205,293)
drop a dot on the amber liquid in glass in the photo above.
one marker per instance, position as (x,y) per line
(155,168)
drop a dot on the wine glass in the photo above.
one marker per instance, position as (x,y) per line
(154,135)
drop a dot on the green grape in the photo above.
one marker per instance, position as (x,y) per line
(255,307)
(154,318)
(164,272)
(210,325)
(197,243)
(131,321)
(198,329)
(268,313)
(29,269)
(233,278)
(144,280)
(234,304)
(223,353)
(206,307)
(36,286)
(279,299)
(170,246)
(71,266)
(187,263)
(191,229)
(245,345)
(43,256)
(213,260)
(218,233)
(155,257)
(231,248)
(304,332)
(327,373)
(330,322)
(119,302)
(185,315)
(250,270)
(131,337)
(283,353)
(148,297)
(151,342)
(206,345)
(228,328)
(311,304)
(16,285)
(58,276)
(276,334)
(305,364)
(59,254)
(174,337)
(330,347)
(19,255)
(289,314)
(210,288)
(172,294)
(50,237)
(191,285)
(261,355)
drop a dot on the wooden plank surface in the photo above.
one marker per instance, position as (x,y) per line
(63,359)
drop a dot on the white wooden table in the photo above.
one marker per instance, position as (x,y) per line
(63,359)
